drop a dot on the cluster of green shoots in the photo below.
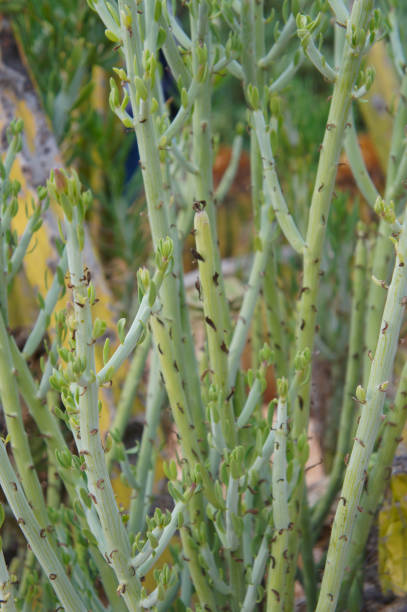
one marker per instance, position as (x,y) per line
(240,516)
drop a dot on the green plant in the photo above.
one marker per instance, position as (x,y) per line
(240,516)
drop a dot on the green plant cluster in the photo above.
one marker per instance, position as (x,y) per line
(240,516)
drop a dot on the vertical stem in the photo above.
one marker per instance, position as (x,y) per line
(115,543)
(353,366)
(202,137)
(158,211)
(18,436)
(36,536)
(155,398)
(379,477)
(281,516)
(367,430)
(383,249)
(318,216)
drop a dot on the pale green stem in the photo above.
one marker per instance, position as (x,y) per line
(213,571)
(128,394)
(357,163)
(383,253)
(191,447)
(202,141)
(275,317)
(173,56)
(279,47)
(284,217)
(215,332)
(155,398)
(232,499)
(252,401)
(182,115)
(257,576)
(158,211)
(379,478)
(396,46)
(287,75)
(352,377)
(6,588)
(263,250)
(115,540)
(318,217)
(230,172)
(367,430)
(340,10)
(319,61)
(16,260)
(133,336)
(165,538)
(204,591)
(38,331)
(36,536)
(281,515)
(18,437)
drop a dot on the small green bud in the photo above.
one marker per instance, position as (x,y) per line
(141,88)
(361,394)
(184,97)
(91,294)
(266,354)
(121,74)
(237,466)
(121,332)
(253,97)
(165,251)
(114,98)
(85,498)
(99,328)
(90,537)
(175,494)
(106,351)
(282,387)
(64,458)
(152,294)
(65,354)
(180,520)
(110,35)
(157,10)
(238,525)
(108,442)
(161,37)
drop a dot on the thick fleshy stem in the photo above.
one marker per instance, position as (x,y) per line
(383,254)
(217,339)
(37,536)
(320,204)
(202,134)
(115,542)
(372,406)
(155,398)
(6,588)
(281,515)
(353,367)
(378,480)
(173,383)
(157,195)
(204,591)
(128,394)
(10,399)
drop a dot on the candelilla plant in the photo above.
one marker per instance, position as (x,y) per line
(239,531)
